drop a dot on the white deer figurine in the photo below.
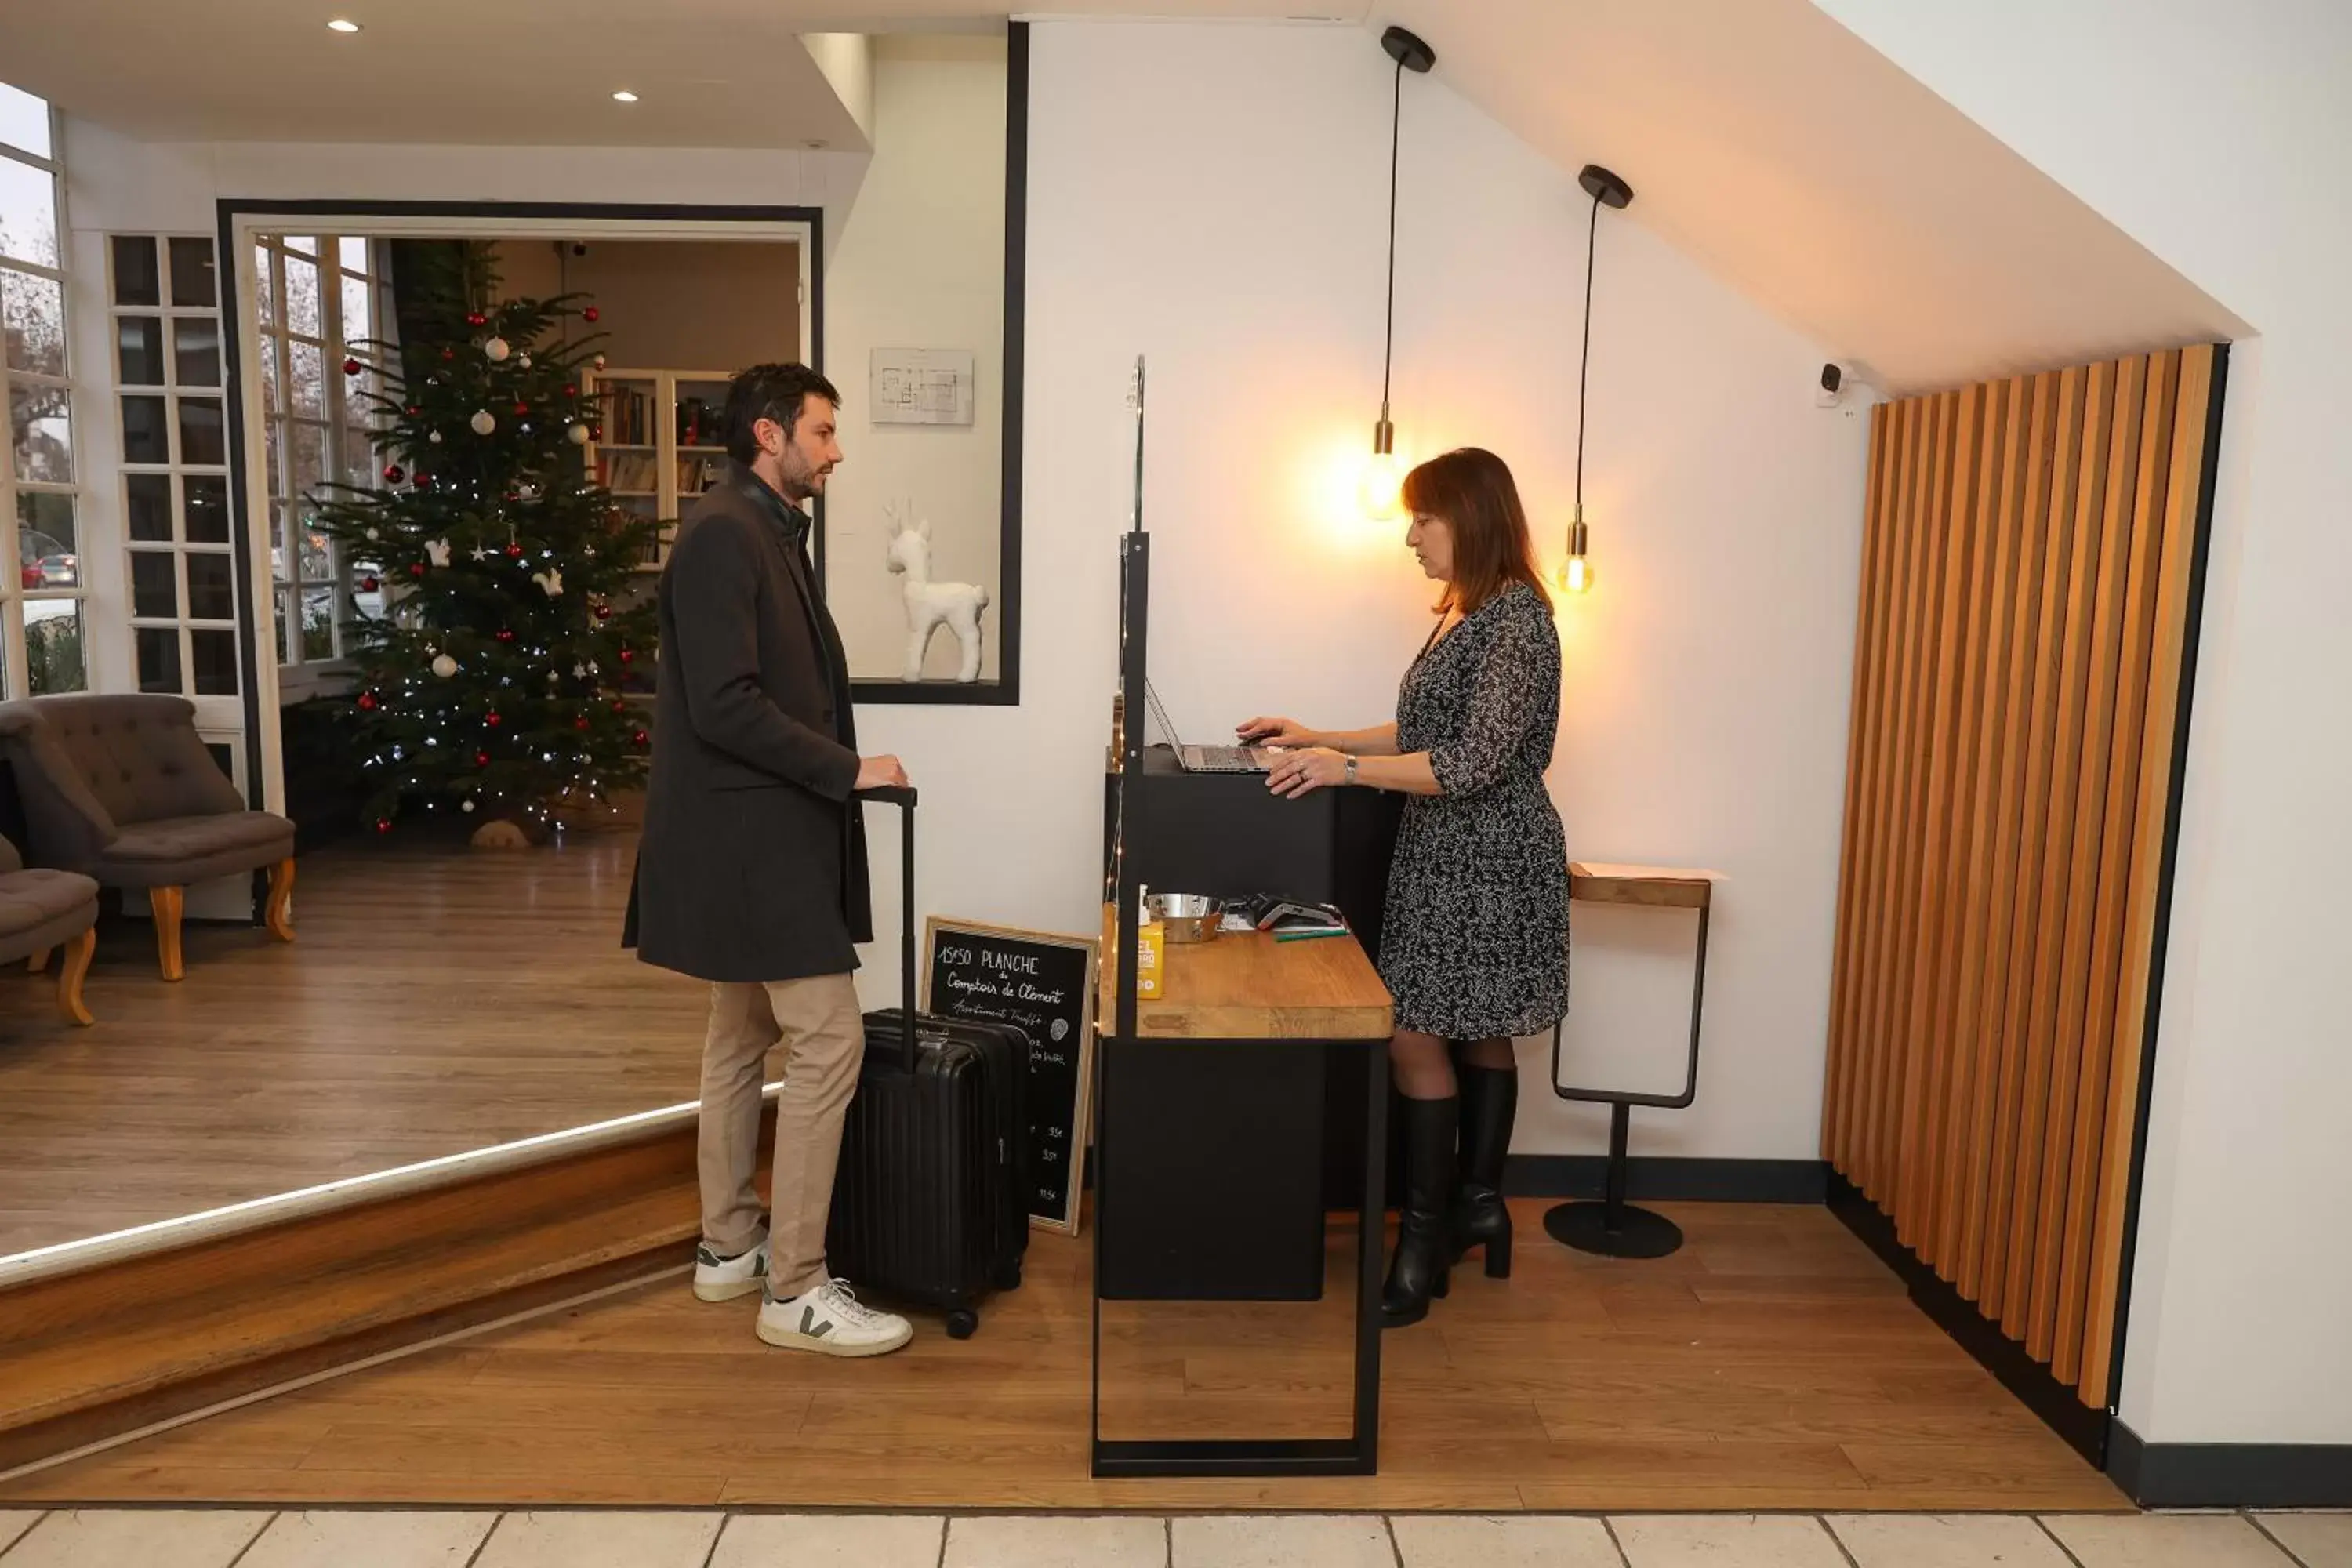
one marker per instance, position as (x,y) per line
(930,603)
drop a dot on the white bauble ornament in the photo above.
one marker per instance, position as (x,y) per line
(434,436)
(496,349)
(523,359)
(579,434)
(600,362)
(444,667)
(483,422)
(465,806)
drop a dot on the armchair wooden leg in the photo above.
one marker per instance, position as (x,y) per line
(39,962)
(69,978)
(168,903)
(280,916)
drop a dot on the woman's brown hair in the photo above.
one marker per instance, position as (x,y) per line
(1471,491)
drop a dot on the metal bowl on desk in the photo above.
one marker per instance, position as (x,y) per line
(1187,917)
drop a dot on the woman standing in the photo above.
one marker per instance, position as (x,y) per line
(1475,945)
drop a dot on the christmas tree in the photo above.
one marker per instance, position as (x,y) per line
(491,684)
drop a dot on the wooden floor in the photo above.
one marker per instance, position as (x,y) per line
(1772,1364)
(436,1000)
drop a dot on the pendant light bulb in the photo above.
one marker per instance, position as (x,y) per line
(1381,492)
(1575,575)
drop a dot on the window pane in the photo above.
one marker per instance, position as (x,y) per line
(318,623)
(33,310)
(145,437)
(284,619)
(309,454)
(40,427)
(147,502)
(318,554)
(159,657)
(136,280)
(273,442)
(306,244)
(192,273)
(45,546)
(212,595)
(196,346)
(28,214)
(353,252)
(24,120)
(214,656)
(53,661)
(207,500)
(302,297)
(270,399)
(154,586)
(305,366)
(357,326)
(204,434)
(139,350)
(359,459)
(265,285)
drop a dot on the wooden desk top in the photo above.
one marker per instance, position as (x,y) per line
(1248,986)
(1659,887)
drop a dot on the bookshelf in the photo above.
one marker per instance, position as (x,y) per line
(663,443)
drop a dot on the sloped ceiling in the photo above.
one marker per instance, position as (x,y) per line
(1821,181)
(1802,167)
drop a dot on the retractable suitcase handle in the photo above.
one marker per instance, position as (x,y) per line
(903,797)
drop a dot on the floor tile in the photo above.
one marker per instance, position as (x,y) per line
(1435,1541)
(369,1538)
(2167,1541)
(1056,1540)
(1953,1541)
(2320,1539)
(151,1538)
(601,1540)
(13,1525)
(1298,1541)
(829,1540)
(1726,1540)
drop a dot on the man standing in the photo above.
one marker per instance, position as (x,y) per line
(751,871)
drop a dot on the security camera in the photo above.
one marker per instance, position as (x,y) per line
(1843,381)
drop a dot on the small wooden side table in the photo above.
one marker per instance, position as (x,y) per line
(1613,1228)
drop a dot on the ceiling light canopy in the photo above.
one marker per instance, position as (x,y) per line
(343,24)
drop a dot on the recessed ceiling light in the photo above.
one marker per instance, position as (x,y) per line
(343,24)
(624,96)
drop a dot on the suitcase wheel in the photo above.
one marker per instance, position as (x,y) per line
(963,1323)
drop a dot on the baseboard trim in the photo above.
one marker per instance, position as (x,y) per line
(2086,1430)
(2230,1475)
(1670,1179)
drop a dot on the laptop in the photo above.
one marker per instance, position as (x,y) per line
(1208,759)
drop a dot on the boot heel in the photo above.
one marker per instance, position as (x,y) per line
(1498,1257)
(1444,1283)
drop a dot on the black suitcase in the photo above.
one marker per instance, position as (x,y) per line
(929,1203)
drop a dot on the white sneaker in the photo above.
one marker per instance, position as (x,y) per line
(831,1320)
(718,1279)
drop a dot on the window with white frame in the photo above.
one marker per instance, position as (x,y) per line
(41,588)
(319,299)
(165,310)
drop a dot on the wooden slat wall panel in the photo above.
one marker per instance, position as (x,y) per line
(2028,563)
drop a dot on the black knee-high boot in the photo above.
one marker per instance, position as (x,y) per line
(1490,1104)
(1419,1268)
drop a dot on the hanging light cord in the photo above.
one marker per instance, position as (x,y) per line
(1388,345)
(1584,365)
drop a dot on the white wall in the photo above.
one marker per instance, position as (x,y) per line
(2221,139)
(1214,196)
(920,264)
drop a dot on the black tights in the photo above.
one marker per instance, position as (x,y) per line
(1424,1067)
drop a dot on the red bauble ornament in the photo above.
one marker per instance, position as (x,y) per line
(620,707)
(492,719)
(595,432)
(384,825)
(481,758)
(570,389)
(580,722)
(416,569)
(514,551)
(369,584)
(513,495)
(604,612)
(589,314)
(641,737)
(353,367)
(506,634)
(449,354)
(392,473)
(476,318)
(367,701)
(415,409)
(521,408)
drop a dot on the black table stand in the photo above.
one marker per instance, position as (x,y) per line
(1613,1228)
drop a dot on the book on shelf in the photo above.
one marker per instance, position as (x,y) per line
(628,473)
(628,419)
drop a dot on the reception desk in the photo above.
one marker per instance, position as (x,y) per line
(1209,1161)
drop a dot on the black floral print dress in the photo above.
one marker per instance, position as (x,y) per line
(1474,941)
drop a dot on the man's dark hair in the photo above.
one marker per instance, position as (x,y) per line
(774,392)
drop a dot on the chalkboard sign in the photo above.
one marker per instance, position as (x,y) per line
(1045,983)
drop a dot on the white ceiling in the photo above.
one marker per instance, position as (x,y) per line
(1802,167)
(1819,179)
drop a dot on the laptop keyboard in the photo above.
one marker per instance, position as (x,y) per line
(1221,759)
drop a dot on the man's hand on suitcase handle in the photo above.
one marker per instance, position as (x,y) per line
(879,773)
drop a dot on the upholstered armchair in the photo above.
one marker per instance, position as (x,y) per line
(43,911)
(121,789)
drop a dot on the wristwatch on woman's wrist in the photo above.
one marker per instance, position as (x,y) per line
(1351,767)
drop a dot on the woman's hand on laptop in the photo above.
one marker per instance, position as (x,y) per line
(1271,731)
